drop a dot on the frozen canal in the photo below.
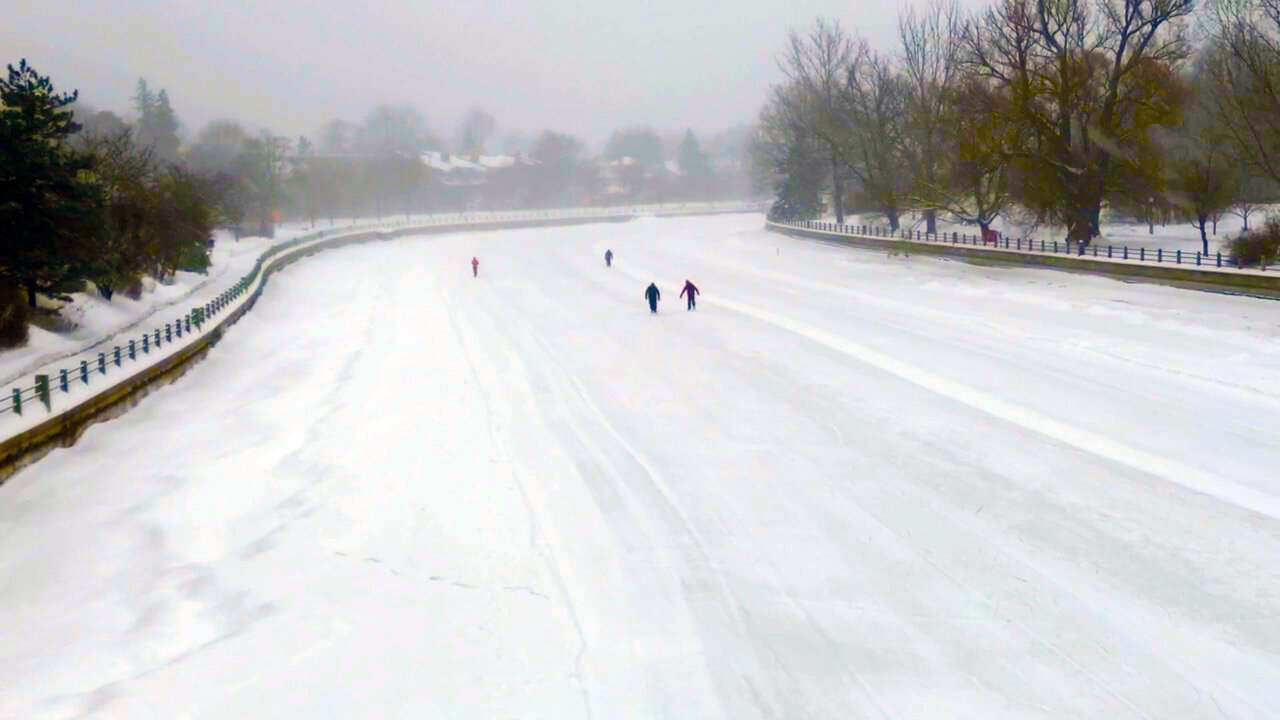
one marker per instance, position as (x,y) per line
(847,486)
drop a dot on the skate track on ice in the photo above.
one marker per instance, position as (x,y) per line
(848,485)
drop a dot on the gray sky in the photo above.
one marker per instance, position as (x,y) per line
(569,65)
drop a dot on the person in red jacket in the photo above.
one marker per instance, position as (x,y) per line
(475,267)
(692,290)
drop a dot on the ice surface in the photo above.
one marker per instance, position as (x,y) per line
(848,485)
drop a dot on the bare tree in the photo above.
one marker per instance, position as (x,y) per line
(474,132)
(931,65)
(1255,192)
(1087,84)
(1244,62)
(816,64)
(873,105)
(973,185)
(1205,178)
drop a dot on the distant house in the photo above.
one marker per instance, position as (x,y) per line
(479,180)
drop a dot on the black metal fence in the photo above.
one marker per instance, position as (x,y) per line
(1156,256)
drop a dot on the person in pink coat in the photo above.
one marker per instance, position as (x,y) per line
(692,290)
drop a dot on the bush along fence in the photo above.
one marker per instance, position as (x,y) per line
(62,387)
(1194,269)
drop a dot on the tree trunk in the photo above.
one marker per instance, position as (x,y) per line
(31,295)
(893,220)
(1204,239)
(931,221)
(1079,228)
(837,188)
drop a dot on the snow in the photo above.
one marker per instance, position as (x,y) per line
(435,160)
(848,485)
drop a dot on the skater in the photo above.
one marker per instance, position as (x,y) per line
(475,267)
(608,258)
(692,290)
(652,295)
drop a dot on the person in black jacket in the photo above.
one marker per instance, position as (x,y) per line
(608,258)
(652,295)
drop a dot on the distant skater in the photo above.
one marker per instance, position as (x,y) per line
(692,290)
(652,295)
(475,267)
(608,258)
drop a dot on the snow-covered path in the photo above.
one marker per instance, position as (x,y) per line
(848,485)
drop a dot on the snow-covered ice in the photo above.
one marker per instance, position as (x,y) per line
(848,485)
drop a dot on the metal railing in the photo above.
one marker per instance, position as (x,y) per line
(1140,254)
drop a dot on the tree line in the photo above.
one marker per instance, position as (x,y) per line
(1053,111)
(89,196)
(98,208)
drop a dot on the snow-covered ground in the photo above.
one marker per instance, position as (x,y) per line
(848,485)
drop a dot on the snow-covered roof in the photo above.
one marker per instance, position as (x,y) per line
(436,161)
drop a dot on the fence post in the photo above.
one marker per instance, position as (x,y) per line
(102,363)
(1219,259)
(157,337)
(17,401)
(62,377)
(1055,246)
(188,323)
(146,343)
(1159,254)
(1126,252)
(1178,256)
(84,371)
(168,333)
(133,352)
(42,391)
(117,356)
(1142,254)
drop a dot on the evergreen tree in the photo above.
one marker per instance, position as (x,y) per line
(144,101)
(49,203)
(164,128)
(696,167)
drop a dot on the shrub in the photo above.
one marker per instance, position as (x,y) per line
(13,316)
(1258,246)
(133,290)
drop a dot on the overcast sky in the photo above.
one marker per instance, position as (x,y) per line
(569,65)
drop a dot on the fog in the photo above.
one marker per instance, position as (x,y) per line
(577,67)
